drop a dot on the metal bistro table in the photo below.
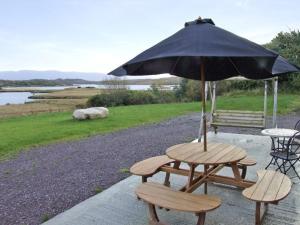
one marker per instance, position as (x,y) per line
(279,132)
(279,137)
(214,159)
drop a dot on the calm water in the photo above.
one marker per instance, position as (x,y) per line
(131,87)
(14,97)
(22,97)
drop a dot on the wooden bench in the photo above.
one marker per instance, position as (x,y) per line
(235,118)
(150,166)
(159,195)
(271,187)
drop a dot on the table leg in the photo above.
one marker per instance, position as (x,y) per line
(202,179)
(177,164)
(201,218)
(205,173)
(191,175)
(236,172)
(153,218)
(167,177)
(260,212)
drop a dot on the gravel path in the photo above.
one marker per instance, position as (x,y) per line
(45,181)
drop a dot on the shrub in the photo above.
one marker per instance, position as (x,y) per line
(129,97)
(140,97)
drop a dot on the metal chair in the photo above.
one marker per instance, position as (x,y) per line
(285,156)
(297,126)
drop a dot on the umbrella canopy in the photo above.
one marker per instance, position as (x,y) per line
(282,66)
(201,42)
(203,51)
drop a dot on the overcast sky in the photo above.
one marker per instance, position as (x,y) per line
(99,35)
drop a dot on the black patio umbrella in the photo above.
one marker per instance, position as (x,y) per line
(202,51)
(282,66)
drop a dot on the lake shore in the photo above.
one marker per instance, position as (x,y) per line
(21,95)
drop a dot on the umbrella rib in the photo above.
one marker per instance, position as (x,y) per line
(175,64)
(237,70)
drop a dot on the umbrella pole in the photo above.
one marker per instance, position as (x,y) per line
(203,116)
(203,104)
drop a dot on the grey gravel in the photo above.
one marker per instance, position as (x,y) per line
(45,181)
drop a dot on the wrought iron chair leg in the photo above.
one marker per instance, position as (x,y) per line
(294,168)
(284,166)
(270,163)
(278,166)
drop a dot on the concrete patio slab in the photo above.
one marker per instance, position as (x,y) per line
(118,205)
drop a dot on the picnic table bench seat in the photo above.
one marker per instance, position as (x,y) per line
(161,196)
(244,163)
(271,187)
(146,168)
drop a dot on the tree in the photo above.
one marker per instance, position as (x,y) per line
(287,44)
(188,90)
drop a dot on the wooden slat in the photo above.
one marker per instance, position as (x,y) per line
(263,186)
(149,166)
(254,122)
(165,197)
(239,111)
(271,187)
(232,156)
(238,117)
(236,125)
(284,188)
(230,181)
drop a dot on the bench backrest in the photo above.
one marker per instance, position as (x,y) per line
(235,118)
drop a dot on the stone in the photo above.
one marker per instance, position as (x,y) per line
(90,113)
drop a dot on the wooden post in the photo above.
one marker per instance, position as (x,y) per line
(201,218)
(204,115)
(275,102)
(213,100)
(201,121)
(203,104)
(265,103)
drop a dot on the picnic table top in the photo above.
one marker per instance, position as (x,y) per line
(217,153)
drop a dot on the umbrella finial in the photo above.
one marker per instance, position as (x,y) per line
(199,20)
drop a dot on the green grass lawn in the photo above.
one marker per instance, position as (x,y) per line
(286,103)
(27,131)
(19,133)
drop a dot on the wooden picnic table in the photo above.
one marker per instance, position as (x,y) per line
(214,159)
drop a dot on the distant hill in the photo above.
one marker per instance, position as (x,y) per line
(44,82)
(25,78)
(51,75)
(161,81)
(70,82)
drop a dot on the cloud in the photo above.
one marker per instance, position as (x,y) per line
(242,3)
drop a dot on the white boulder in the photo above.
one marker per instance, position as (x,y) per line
(90,113)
